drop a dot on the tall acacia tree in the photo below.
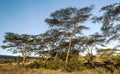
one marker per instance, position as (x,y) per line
(110,20)
(52,39)
(18,44)
(69,19)
(90,44)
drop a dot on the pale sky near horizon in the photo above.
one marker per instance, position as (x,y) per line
(27,16)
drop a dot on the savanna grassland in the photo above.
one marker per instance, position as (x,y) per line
(64,48)
(12,69)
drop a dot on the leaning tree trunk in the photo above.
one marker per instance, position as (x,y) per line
(55,56)
(70,43)
(68,51)
(48,55)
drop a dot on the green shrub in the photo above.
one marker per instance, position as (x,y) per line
(74,65)
(115,59)
(58,64)
(33,65)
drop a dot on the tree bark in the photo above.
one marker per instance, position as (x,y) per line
(23,56)
(68,52)
(70,43)
(55,56)
(48,55)
(23,59)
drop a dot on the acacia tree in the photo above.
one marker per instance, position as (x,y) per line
(69,19)
(18,44)
(110,21)
(51,40)
(54,38)
(90,44)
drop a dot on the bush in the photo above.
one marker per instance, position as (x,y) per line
(58,64)
(35,64)
(116,59)
(74,65)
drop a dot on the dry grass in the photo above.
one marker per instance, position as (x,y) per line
(12,69)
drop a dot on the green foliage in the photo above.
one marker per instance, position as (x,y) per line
(35,64)
(66,40)
(58,64)
(116,59)
(69,19)
(74,65)
(89,57)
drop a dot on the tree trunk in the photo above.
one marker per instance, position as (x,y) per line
(49,55)
(55,56)
(68,52)
(24,59)
(70,43)
(46,59)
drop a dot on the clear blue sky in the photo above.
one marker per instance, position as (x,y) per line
(27,16)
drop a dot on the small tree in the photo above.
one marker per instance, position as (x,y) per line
(89,44)
(18,44)
(51,40)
